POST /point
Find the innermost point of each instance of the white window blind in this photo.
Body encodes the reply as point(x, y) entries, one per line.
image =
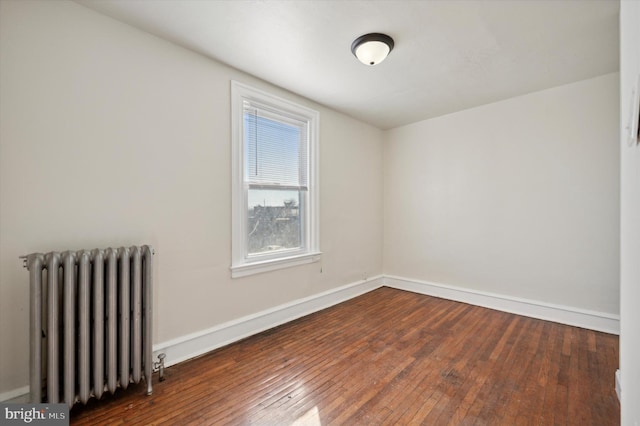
point(276, 149)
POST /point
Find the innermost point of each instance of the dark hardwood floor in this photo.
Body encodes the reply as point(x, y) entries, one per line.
point(387, 357)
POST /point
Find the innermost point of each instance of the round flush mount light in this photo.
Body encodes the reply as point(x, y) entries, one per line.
point(373, 48)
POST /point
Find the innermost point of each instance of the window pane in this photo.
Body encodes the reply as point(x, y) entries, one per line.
point(274, 220)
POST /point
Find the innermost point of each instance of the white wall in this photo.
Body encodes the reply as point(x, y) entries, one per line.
point(629, 221)
point(110, 136)
point(518, 198)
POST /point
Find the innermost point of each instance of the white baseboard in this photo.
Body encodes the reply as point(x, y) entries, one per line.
point(20, 395)
point(199, 343)
point(619, 385)
point(568, 315)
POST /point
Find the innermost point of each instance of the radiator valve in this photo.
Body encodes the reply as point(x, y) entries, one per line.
point(159, 365)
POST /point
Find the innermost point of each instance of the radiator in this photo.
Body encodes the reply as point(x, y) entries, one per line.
point(90, 326)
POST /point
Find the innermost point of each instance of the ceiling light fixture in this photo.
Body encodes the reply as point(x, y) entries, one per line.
point(373, 48)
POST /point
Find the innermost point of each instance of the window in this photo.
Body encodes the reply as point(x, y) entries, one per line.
point(275, 195)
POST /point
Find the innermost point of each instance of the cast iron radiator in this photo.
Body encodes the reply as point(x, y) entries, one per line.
point(90, 326)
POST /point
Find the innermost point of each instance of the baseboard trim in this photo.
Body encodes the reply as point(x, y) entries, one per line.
point(598, 321)
point(16, 395)
point(196, 344)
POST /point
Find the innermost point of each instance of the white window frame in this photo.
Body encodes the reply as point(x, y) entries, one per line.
point(241, 263)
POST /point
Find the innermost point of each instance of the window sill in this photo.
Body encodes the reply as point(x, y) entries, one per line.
point(247, 269)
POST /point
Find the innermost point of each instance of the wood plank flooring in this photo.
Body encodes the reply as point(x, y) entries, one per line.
point(388, 357)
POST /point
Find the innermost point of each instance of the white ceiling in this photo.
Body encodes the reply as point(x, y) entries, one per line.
point(449, 54)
